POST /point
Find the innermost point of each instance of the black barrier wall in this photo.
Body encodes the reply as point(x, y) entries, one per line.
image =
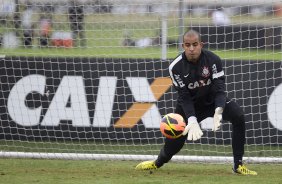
point(45, 80)
point(241, 37)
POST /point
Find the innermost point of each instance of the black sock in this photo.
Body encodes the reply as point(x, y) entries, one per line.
point(237, 162)
point(158, 163)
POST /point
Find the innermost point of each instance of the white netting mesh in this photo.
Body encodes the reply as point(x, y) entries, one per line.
point(91, 76)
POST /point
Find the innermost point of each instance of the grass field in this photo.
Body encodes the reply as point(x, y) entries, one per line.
point(29, 171)
point(153, 53)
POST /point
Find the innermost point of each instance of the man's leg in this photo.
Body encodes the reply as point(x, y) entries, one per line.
point(233, 113)
point(170, 148)
point(82, 40)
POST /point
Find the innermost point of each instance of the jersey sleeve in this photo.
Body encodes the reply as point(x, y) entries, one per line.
point(184, 97)
point(218, 83)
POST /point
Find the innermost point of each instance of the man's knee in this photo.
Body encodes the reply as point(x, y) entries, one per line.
point(238, 118)
point(234, 113)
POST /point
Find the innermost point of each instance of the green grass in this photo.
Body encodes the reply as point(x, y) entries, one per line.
point(153, 53)
point(29, 171)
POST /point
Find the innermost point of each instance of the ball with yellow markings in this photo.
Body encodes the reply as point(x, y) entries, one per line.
point(172, 125)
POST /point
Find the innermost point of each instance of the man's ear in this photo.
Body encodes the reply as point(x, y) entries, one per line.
point(202, 44)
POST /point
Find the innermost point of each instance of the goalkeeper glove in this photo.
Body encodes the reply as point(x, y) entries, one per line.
point(193, 129)
point(217, 118)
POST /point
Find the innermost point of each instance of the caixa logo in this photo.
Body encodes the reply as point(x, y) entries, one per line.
point(71, 89)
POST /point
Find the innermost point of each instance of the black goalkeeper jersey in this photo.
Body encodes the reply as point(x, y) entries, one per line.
point(200, 85)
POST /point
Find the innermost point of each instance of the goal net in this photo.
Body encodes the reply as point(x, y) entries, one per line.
point(89, 79)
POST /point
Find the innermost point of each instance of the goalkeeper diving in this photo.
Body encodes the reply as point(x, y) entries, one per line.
point(198, 77)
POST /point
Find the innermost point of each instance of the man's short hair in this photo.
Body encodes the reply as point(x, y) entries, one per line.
point(192, 33)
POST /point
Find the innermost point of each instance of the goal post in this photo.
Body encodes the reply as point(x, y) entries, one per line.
point(100, 93)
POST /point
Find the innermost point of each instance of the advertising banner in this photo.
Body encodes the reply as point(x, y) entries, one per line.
point(117, 99)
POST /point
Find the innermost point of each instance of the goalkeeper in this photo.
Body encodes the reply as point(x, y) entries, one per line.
point(198, 77)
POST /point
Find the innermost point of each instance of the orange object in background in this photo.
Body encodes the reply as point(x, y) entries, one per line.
point(68, 43)
point(62, 39)
point(278, 10)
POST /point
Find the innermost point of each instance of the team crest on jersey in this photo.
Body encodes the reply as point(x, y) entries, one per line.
point(205, 72)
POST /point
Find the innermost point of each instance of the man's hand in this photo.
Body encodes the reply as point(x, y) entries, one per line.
point(193, 129)
point(217, 118)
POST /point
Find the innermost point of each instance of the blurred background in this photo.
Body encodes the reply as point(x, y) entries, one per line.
point(135, 28)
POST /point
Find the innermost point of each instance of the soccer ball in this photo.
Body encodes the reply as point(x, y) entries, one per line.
point(172, 125)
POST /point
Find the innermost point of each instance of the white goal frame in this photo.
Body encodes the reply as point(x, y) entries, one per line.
point(173, 17)
point(176, 158)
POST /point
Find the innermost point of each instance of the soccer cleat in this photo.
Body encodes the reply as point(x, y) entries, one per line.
point(146, 165)
point(243, 170)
